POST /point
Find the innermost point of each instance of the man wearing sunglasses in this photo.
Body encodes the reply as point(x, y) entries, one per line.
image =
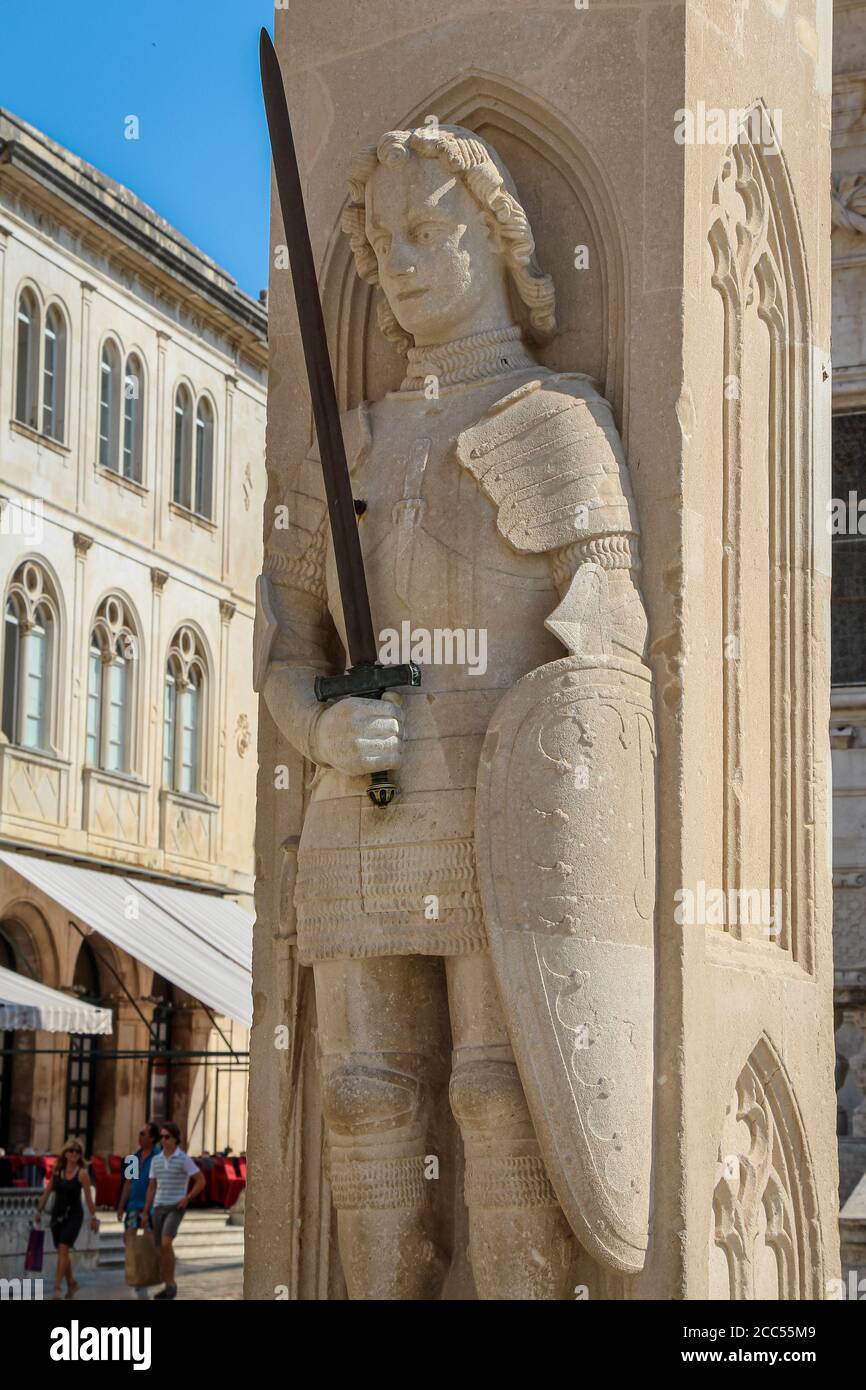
point(170, 1172)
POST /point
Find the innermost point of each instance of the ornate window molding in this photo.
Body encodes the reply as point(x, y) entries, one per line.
point(765, 1214)
point(41, 365)
point(194, 452)
point(186, 700)
point(122, 393)
point(113, 675)
point(29, 660)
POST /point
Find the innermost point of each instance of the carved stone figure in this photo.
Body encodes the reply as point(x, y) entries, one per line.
point(506, 897)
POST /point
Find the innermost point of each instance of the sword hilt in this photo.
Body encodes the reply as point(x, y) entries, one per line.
point(370, 680)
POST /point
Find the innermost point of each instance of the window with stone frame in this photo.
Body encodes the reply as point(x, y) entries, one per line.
point(848, 528)
point(112, 688)
point(193, 463)
point(40, 366)
point(185, 694)
point(29, 657)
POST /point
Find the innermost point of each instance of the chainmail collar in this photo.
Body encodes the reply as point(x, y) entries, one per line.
point(493, 353)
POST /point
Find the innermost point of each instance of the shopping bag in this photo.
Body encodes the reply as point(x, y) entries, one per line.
point(35, 1249)
point(141, 1264)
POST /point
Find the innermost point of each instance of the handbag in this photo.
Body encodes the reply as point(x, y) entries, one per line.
point(141, 1259)
point(35, 1251)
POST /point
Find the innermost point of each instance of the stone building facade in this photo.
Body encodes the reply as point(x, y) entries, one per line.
point(132, 412)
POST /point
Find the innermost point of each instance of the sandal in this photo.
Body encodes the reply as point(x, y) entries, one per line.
point(73, 1289)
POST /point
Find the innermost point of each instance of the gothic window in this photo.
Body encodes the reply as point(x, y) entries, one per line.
point(183, 715)
point(109, 406)
point(133, 419)
point(194, 432)
point(54, 373)
point(182, 492)
point(27, 366)
point(40, 366)
point(112, 689)
point(204, 458)
point(848, 530)
point(29, 650)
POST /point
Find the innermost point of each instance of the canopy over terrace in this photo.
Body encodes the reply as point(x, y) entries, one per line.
point(26, 1004)
point(200, 942)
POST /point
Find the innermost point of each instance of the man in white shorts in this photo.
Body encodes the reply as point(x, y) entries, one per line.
point(170, 1172)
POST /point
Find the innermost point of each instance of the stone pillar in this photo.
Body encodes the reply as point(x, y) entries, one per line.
point(673, 162)
point(130, 1075)
point(156, 705)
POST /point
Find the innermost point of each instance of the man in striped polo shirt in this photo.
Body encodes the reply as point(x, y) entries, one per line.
point(170, 1172)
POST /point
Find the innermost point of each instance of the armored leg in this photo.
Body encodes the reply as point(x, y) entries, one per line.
point(521, 1246)
point(380, 1025)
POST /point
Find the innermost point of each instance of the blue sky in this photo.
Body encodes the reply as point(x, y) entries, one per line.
point(189, 70)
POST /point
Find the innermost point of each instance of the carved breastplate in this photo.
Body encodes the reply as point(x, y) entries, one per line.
point(435, 561)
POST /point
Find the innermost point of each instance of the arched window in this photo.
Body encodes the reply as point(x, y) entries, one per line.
point(183, 722)
point(204, 458)
point(109, 407)
point(111, 688)
point(133, 418)
point(27, 365)
point(182, 491)
point(54, 374)
point(29, 646)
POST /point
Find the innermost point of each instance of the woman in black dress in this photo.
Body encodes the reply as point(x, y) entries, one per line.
point(68, 1180)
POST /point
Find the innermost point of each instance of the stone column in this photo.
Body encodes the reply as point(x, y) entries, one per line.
point(673, 162)
point(4, 237)
point(130, 1075)
point(162, 434)
point(226, 502)
point(153, 762)
point(79, 658)
point(87, 428)
point(217, 764)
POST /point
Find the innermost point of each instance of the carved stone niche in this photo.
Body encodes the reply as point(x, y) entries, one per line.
point(763, 1239)
point(552, 170)
point(763, 592)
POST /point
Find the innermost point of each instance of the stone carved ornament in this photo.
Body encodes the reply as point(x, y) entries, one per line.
point(487, 941)
point(849, 203)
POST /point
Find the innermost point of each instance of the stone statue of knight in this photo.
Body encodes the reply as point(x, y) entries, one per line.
point(505, 899)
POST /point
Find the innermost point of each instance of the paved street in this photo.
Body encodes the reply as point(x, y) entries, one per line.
point(194, 1282)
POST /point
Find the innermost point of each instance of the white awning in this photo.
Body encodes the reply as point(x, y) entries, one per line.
point(200, 942)
point(27, 1004)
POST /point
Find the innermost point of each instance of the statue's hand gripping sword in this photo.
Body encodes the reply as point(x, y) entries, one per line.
point(367, 676)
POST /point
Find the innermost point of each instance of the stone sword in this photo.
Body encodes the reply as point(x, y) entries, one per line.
point(367, 676)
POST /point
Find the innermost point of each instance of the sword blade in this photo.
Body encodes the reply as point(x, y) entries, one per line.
point(338, 488)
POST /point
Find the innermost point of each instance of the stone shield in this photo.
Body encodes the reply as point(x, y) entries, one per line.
point(565, 840)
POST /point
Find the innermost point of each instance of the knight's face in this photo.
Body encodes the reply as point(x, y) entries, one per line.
point(438, 266)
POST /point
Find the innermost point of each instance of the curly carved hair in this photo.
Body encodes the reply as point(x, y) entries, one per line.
point(485, 176)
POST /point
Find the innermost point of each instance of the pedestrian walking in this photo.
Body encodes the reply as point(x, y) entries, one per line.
point(168, 1198)
point(133, 1194)
point(69, 1180)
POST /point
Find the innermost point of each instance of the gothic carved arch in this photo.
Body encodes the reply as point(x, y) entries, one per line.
point(759, 267)
point(542, 153)
point(765, 1211)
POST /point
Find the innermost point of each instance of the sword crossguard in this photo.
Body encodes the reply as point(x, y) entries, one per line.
point(370, 680)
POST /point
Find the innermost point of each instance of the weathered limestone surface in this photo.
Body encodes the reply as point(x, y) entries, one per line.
point(641, 1083)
